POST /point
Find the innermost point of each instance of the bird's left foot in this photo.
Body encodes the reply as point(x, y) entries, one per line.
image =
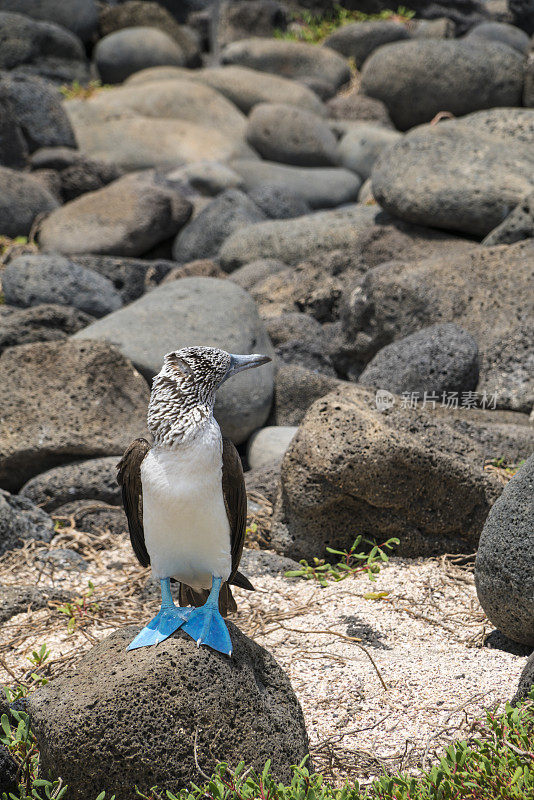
point(206, 626)
point(161, 627)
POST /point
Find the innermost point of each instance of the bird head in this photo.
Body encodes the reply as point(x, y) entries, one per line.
point(184, 390)
point(201, 370)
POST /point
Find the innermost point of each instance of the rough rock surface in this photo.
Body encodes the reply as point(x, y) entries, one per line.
point(449, 176)
point(503, 568)
point(66, 401)
point(95, 516)
point(289, 59)
point(198, 311)
point(409, 473)
point(503, 33)
point(278, 203)
point(418, 79)
point(291, 135)
point(130, 50)
point(296, 389)
point(190, 695)
point(22, 199)
point(124, 218)
point(441, 358)
point(8, 772)
point(518, 225)
point(43, 323)
point(95, 479)
point(32, 280)
point(485, 291)
point(20, 519)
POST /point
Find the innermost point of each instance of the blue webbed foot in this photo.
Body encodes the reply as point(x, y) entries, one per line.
point(169, 619)
point(206, 626)
point(161, 627)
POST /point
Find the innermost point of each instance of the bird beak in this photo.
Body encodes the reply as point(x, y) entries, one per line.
point(240, 363)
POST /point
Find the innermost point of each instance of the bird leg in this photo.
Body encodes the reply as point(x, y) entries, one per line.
point(169, 619)
point(205, 624)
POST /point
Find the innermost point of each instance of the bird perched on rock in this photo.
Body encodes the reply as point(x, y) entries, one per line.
point(185, 498)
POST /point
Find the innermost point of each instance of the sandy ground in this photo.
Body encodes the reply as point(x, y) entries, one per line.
point(422, 679)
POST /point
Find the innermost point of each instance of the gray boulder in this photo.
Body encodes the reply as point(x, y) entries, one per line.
point(293, 326)
point(95, 517)
point(358, 107)
point(96, 710)
point(20, 519)
point(449, 176)
point(210, 178)
point(203, 236)
point(22, 199)
point(438, 359)
point(420, 78)
point(291, 241)
point(507, 124)
point(78, 16)
point(289, 59)
point(359, 477)
point(359, 39)
point(198, 311)
point(13, 145)
point(9, 770)
point(143, 13)
point(310, 355)
point(66, 401)
point(41, 48)
point(278, 203)
point(95, 479)
point(518, 225)
point(243, 18)
point(244, 87)
point(503, 33)
point(320, 187)
point(485, 291)
point(291, 135)
point(130, 50)
point(16, 599)
point(296, 389)
point(43, 323)
point(33, 279)
point(37, 111)
point(127, 217)
point(503, 569)
point(75, 173)
point(528, 92)
point(361, 146)
point(268, 445)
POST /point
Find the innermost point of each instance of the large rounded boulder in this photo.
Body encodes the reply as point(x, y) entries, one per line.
point(149, 716)
point(419, 78)
point(504, 575)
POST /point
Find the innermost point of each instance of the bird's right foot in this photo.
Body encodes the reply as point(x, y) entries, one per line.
point(169, 619)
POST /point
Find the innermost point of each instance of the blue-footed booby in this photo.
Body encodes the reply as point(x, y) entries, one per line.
point(185, 498)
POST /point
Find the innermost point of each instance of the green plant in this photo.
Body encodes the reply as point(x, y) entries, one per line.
point(501, 463)
point(78, 610)
point(75, 90)
point(314, 29)
point(351, 563)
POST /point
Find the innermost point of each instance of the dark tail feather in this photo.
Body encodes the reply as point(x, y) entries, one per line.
point(242, 581)
point(189, 597)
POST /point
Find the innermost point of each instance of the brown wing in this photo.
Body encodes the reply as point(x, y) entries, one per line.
point(129, 479)
point(235, 501)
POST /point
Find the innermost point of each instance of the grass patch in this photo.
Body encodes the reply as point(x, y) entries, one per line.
point(307, 27)
point(78, 91)
point(495, 763)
